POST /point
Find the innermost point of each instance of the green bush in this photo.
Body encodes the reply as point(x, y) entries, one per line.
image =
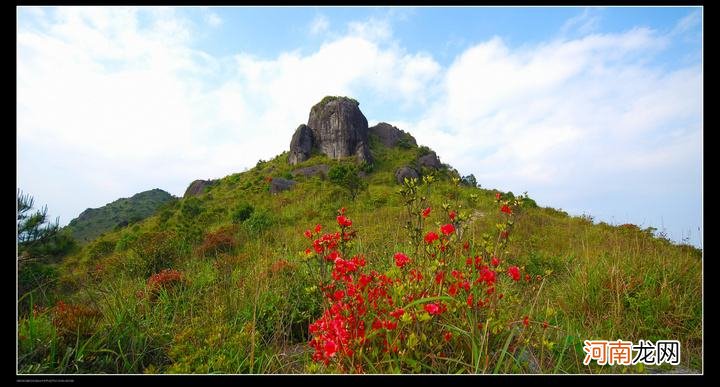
point(242, 212)
point(259, 221)
point(346, 176)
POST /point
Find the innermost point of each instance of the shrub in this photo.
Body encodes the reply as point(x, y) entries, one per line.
point(259, 221)
point(444, 297)
point(220, 241)
point(242, 212)
point(346, 176)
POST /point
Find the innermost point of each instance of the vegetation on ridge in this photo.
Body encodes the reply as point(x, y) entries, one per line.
point(231, 282)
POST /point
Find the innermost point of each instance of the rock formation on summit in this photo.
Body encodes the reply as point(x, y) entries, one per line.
point(391, 136)
point(197, 187)
point(337, 129)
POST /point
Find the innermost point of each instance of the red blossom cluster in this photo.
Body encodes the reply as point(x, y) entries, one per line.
point(369, 310)
point(165, 278)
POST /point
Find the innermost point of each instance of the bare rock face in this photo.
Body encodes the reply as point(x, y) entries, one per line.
point(430, 160)
point(279, 184)
point(339, 129)
point(301, 145)
point(406, 172)
point(391, 136)
point(321, 169)
point(197, 187)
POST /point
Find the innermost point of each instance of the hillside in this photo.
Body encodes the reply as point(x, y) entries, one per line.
point(319, 261)
point(95, 221)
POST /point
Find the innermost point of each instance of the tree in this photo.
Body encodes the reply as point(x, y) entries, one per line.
point(347, 177)
point(469, 180)
point(37, 238)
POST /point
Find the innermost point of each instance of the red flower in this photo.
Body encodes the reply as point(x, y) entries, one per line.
point(439, 277)
point(527, 277)
point(426, 212)
point(504, 234)
point(470, 300)
point(339, 294)
point(308, 234)
point(447, 229)
point(506, 209)
point(452, 215)
point(318, 228)
point(514, 272)
point(342, 211)
point(497, 196)
point(452, 290)
point(447, 336)
point(526, 320)
point(401, 259)
point(494, 261)
point(431, 237)
point(466, 245)
point(432, 308)
point(500, 296)
point(343, 221)
point(330, 348)
point(397, 313)
point(308, 251)
point(545, 324)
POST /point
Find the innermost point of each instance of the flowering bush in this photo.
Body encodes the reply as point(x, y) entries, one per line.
point(72, 320)
point(443, 298)
point(166, 279)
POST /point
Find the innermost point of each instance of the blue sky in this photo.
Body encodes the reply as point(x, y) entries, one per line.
point(593, 110)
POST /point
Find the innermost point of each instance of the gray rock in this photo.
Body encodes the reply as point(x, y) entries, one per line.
point(197, 187)
point(339, 128)
point(320, 169)
point(430, 160)
point(406, 172)
point(278, 184)
point(390, 135)
point(301, 145)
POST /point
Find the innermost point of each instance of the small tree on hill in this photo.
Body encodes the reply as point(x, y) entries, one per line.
point(347, 177)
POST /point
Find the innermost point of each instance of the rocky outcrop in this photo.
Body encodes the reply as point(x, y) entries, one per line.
point(391, 136)
point(279, 184)
point(406, 172)
point(337, 129)
point(301, 145)
point(321, 169)
point(430, 160)
point(197, 187)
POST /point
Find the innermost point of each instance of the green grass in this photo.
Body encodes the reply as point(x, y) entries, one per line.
point(247, 309)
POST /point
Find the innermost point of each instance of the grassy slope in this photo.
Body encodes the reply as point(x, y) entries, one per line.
point(247, 309)
point(96, 221)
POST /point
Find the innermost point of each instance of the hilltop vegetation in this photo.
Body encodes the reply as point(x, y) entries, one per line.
point(335, 275)
point(95, 221)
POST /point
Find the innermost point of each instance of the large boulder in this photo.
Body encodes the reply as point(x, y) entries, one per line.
point(278, 184)
point(301, 145)
point(197, 187)
point(430, 160)
point(320, 169)
point(390, 135)
point(339, 128)
point(406, 172)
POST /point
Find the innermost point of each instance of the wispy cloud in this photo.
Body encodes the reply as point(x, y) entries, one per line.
point(319, 25)
point(585, 23)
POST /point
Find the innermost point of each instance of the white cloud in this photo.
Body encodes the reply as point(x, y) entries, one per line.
point(691, 20)
point(585, 23)
point(101, 87)
point(569, 116)
point(213, 19)
point(109, 106)
point(319, 25)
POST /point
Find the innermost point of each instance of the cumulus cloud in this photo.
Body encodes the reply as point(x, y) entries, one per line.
point(585, 114)
point(99, 85)
point(112, 101)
